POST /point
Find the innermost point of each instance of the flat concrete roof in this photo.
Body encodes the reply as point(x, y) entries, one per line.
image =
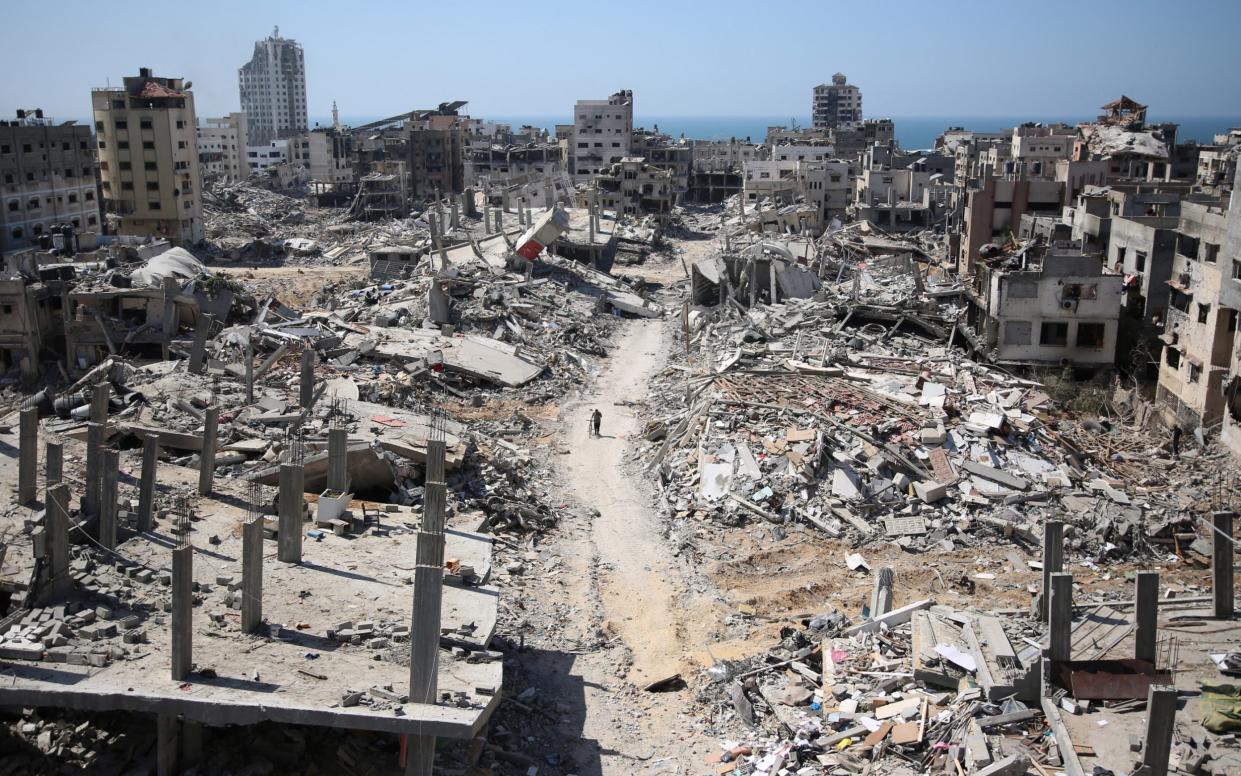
point(260, 677)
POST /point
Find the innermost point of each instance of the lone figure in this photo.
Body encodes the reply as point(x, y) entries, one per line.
point(1176, 441)
point(596, 417)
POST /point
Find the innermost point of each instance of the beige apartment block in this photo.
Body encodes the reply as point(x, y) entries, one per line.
point(148, 157)
point(222, 146)
point(47, 179)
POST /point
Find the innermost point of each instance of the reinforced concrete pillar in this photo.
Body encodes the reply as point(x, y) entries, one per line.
point(306, 394)
point(1053, 562)
point(94, 454)
point(28, 455)
point(107, 498)
point(206, 460)
point(252, 574)
point(1146, 610)
point(101, 394)
point(456, 216)
point(54, 467)
point(500, 220)
point(171, 289)
point(1160, 724)
point(881, 596)
point(292, 498)
point(249, 371)
point(146, 485)
point(167, 745)
point(338, 460)
point(1061, 616)
point(487, 219)
point(182, 609)
point(1222, 549)
point(198, 350)
point(57, 501)
point(428, 600)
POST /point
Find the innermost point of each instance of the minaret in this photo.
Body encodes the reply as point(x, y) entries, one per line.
point(335, 117)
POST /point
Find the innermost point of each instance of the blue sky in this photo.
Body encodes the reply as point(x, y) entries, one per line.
point(967, 58)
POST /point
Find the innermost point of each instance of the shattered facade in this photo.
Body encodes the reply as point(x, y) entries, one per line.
point(148, 157)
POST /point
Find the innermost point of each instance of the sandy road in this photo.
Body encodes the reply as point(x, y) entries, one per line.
point(639, 597)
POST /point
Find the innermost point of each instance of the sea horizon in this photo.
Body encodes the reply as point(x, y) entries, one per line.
point(912, 132)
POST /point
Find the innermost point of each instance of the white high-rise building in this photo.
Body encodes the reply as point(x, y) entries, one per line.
point(837, 105)
point(602, 134)
point(273, 90)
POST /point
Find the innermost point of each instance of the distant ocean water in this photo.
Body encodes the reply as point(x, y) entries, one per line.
point(912, 132)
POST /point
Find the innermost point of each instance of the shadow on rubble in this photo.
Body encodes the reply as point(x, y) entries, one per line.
point(164, 540)
point(541, 721)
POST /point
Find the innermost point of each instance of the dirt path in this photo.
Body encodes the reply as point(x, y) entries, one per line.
point(639, 598)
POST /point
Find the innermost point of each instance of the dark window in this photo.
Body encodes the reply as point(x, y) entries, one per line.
point(123, 145)
point(153, 205)
point(1210, 251)
point(90, 196)
point(125, 165)
point(1090, 335)
point(1173, 357)
point(122, 124)
point(1236, 269)
point(1204, 312)
point(17, 233)
point(148, 144)
point(98, 126)
point(145, 124)
point(149, 165)
point(13, 206)
point(25, 148)
point(1139, 260)
point(152, 185)
point(103, 144)
point(1195, 372)
point(1054, 335)
point(127, 185)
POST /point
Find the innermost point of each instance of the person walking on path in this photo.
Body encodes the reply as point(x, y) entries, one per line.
point(596, 417)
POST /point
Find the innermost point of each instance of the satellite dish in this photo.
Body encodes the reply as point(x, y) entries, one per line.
point(189, 84)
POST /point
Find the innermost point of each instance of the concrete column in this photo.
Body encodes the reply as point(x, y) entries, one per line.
point(28, 455)
point(171, 289)
point(307, 387)
point(198, 350)
point(1160, 724)
point(182, 610)
point(1053, 562)
point(419, 755)
point(456, 216)
point(499, 220)
point(107, 498)
point(292, 498)
point(881, 596)
point(54, 452)
point(428, 600)
point(1061, 616)
point(1146, 611)
point(206, 460)
point(146, 486)
point(1222, 550)
point(252, 574)
point(94, 452)
point(167, 745)
point(57, 501)
point(338, 460)
point(101, 395)
point(504, 203)
point(249, 371)
point(486, 219)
